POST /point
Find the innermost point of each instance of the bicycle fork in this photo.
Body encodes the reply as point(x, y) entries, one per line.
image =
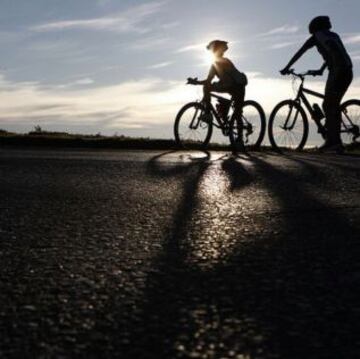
point(286, 127)
point(195, 121)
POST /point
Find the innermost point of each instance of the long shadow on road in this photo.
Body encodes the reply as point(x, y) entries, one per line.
point(317, 301)
point(289, 293)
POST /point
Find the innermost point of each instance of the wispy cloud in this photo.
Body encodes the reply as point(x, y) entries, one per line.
point(355, 55)
point(68, 107)
point(86, 81)
point(352, 39)
point(145, 103)
point(282, 45)
point(160, 65)
point(282, 30)
point(126, 21)
point(192, 47)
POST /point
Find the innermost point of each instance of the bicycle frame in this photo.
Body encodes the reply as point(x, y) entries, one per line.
point(221, 123)
point(301, 98)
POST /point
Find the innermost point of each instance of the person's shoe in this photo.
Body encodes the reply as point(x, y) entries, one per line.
point(327, 147)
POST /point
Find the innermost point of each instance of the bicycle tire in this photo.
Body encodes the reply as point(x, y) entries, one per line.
point(262, 128)
point(345, 110)
point(183, 142)
point(274, 117)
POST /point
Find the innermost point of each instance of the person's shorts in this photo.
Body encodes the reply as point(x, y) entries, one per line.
point(235, 91)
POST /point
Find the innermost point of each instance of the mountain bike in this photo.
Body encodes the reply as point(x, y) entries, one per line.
point(193, 126)
point(289, 125)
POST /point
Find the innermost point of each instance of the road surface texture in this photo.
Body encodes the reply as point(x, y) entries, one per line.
point(179, 255)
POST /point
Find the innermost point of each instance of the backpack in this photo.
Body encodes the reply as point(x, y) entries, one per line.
point(240, 78)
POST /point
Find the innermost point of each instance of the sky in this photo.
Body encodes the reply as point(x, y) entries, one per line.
point(120, 66)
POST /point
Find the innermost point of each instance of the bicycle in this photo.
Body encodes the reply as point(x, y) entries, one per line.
point(193, 126)
point(289, 124)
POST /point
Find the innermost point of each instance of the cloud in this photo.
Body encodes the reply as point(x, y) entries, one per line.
point(192, 47)
point(135, 104)
point(160, 65)
point(282, 30)
point(142, 105)
point(129, 20)
point(84, 81)
point(355, 55)
point(282, 45)
point(352, 39)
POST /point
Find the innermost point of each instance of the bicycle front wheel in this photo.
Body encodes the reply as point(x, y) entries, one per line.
point(288, 126)
point(350, 121)
point(191, 128)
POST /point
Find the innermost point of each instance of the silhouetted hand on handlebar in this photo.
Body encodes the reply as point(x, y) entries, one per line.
point(192, 81)
point(286, 71)
point(315, 72)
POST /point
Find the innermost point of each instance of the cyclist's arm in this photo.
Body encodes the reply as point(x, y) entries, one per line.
point(323, 68)
point(210, 77)
point(319, 72)
point(307, 45)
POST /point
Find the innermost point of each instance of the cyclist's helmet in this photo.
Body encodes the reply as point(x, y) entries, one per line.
point(215, 44)
point(319, 23)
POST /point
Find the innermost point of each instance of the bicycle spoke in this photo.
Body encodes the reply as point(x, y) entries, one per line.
point(252, 123)
point(189, 128)
point(350, 124)
point(287, 126)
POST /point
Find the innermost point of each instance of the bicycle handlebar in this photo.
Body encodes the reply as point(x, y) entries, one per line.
point(302, 75)
point(193, 81)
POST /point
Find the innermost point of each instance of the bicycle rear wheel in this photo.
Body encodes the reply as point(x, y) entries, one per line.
point(288, 126)
point(190, 130)
point(253, 126)
point(236, 134)
point(350, 122)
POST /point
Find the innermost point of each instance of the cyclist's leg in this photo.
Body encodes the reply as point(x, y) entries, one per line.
point(214, 87)
point(238, 95)
point(336, 87)
point(219, 87)
point(207, 98)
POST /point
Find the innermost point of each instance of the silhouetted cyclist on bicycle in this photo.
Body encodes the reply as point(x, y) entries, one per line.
point(231, 80)
point(338, 61)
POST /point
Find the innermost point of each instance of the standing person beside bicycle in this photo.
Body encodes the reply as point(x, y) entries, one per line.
point(339, 64)
point(231, 80)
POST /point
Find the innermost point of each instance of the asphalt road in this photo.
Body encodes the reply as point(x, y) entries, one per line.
point(179, 255)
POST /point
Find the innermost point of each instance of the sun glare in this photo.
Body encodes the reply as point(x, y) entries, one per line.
point(208, 58)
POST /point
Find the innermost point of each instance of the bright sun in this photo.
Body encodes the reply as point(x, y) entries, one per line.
point(209, 58)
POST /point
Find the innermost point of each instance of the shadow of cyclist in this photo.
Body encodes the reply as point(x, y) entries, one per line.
point(284, 295)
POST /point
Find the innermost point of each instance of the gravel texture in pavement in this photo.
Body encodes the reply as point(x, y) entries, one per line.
point(179, 255)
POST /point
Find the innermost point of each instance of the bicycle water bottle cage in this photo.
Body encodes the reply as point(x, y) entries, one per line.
point(317, 113)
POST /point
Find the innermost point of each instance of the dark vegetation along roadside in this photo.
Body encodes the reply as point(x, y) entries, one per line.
point(41, 138)
point(66, 140)
point(48, 139)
